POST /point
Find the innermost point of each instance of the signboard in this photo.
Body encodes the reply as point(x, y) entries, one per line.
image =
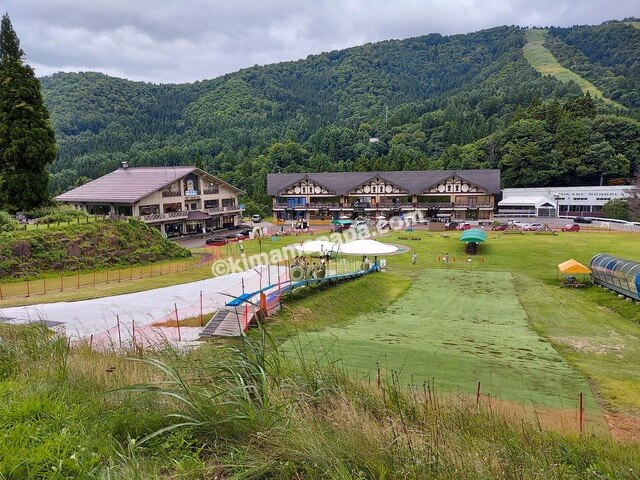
point(191, 193)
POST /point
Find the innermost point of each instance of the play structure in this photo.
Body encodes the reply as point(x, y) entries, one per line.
point(618, 274)
point(241, 311)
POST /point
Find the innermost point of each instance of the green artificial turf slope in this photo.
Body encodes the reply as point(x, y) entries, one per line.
point(458, 328)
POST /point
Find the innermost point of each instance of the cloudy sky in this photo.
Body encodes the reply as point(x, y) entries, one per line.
point(181, 41)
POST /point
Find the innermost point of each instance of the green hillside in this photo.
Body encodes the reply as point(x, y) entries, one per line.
point(544, 62)
point(607, 55)
point(432, 101)
point(83, 246)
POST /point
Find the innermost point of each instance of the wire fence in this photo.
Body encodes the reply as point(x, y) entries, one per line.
point(66, 282)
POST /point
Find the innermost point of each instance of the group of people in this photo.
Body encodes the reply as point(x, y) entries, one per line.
point(312, 270)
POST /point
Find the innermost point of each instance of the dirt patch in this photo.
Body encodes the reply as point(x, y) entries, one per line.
point(547, 418)
point(623, 427)
point(583, 345)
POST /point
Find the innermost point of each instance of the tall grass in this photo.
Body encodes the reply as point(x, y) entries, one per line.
point(244, 410)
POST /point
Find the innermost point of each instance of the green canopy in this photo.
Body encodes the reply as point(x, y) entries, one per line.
point(341, 222)
point(473, 235)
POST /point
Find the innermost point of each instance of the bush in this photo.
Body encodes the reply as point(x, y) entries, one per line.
point(55, 215)
point(617, 209)
point(7, 222)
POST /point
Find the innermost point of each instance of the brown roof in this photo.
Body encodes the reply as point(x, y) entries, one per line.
point(413, 182)
point(197, 215)
point(128, 185)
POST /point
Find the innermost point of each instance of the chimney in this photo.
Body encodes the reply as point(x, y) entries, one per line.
point(125, 165)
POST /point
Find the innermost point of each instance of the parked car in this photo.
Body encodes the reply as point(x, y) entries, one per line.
point(234, 237)
point(246, 232)
point(217, 241)
point(583, 220)
point(500, 228)
point(571, 227)
point(450, 225)
point(464, 226)
point(256, 218)
point(534, 227)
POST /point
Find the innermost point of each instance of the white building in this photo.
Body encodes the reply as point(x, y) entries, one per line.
point(551, 201)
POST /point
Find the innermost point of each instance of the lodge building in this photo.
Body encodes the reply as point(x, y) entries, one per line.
point(437, 194)
point(176, 200)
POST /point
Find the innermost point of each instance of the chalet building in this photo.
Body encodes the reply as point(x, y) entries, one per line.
point(176, 200)
point(442, 194)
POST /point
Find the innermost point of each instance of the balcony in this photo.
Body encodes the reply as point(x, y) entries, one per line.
point(225, 209)
point(433, 205)
point(473, 205)
point(168, 193)
point(161, 217)
point(211, 191)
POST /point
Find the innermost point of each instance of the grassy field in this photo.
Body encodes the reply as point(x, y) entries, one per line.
point(544, 62)
point(249, 412)
point(592, 329)
point(246, 413)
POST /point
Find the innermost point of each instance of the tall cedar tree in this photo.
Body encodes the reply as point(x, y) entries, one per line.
point(27, 140)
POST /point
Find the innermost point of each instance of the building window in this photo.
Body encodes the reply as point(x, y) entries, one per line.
point(172, 207)
point(149, 209)
point(211, 203)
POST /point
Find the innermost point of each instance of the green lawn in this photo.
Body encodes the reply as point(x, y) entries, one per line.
point(593, 330)
point(540, 58)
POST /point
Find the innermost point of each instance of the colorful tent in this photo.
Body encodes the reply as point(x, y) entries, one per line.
point(573, 267)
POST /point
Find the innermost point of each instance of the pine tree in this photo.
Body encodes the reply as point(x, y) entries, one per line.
point(27, 140)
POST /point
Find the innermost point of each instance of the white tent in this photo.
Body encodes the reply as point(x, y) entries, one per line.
point(316, 246)
point(367, 247)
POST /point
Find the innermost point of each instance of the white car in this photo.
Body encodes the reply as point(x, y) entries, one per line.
point(534, 227)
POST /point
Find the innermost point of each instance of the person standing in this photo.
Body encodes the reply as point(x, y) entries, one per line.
point(414, 258)
point(241, 246)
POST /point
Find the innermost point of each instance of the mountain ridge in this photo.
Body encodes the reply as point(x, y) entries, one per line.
point(423, 97)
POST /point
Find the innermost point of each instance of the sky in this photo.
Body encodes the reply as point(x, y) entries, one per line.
point(164, 41)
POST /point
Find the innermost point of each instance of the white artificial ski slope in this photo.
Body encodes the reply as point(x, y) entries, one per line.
point(98, 316)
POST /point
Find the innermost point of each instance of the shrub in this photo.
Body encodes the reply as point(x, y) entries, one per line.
point(7, 222)
point(55, 215)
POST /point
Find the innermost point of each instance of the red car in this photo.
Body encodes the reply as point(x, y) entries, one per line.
point(464, 226)
point(500, 228)
point(571, 227)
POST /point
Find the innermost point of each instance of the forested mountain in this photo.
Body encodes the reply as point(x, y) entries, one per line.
point(460, 101)
point(607, 55)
